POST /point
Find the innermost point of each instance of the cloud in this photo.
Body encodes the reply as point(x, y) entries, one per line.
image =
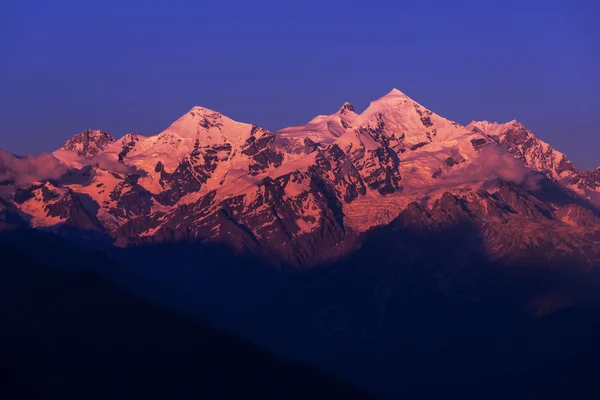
point(495, 163)
point(22, 171)
point(28, 169)
point(109, 163)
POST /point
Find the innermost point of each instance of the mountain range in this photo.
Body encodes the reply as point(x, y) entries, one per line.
point(304, 195)
point(406, 253)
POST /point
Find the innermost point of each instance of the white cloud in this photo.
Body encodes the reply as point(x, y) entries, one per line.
point(494, 162)
point(28, 169)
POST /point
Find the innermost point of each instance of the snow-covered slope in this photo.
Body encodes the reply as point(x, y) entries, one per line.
point(538, 155)
point(304, 193)
point(420, 137)
point(323, 129)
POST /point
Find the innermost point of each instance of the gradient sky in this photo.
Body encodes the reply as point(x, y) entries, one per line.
point(136, 66)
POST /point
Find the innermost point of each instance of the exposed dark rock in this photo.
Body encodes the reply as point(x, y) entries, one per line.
point(212, 120)
point(73, 213)
point(89, 143)
point(262, 152)
point(131, 199)
point(478, 143)
point(453, 160)
point(425, 116)
point(182, 181)
point(345, 179)
point(310, 145)
point(418, 145)
point(129, 142)
point(346, 107)
point(23, 194)
point(378, 168)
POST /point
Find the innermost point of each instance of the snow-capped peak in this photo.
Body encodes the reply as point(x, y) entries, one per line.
point(392, 97)
point(346, 107)
point(401, 116)
point(207, 176)
point(491, 127)
point(395, 93)
point(89, 143)
point(394, 100)
point(209, 128)
point(323, 129)
point(202, 109)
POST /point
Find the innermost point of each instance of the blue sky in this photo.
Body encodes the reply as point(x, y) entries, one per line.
point(136, 66)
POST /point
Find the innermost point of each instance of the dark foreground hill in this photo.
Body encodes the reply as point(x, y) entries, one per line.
point(68, 334)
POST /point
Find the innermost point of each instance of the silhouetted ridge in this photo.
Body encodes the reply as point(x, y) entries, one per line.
point(75, 335)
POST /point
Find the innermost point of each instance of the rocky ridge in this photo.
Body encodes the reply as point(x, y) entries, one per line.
point(305, 194)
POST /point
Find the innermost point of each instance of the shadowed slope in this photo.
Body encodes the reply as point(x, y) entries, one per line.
point(73, 334)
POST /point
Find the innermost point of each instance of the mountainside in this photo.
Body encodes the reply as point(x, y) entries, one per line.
point(304, 195)
point(74, 335)
point(538, 155)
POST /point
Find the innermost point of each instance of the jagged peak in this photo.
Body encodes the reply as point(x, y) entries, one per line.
point(492, 127)
point(133, 136)
point(398, 106)
point(89, 143)
point(494, 123)
point(346, 107)
point(92, 133)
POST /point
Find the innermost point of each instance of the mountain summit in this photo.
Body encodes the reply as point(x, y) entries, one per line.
point(346, 107)
point(395, 93)
point(89, 142)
